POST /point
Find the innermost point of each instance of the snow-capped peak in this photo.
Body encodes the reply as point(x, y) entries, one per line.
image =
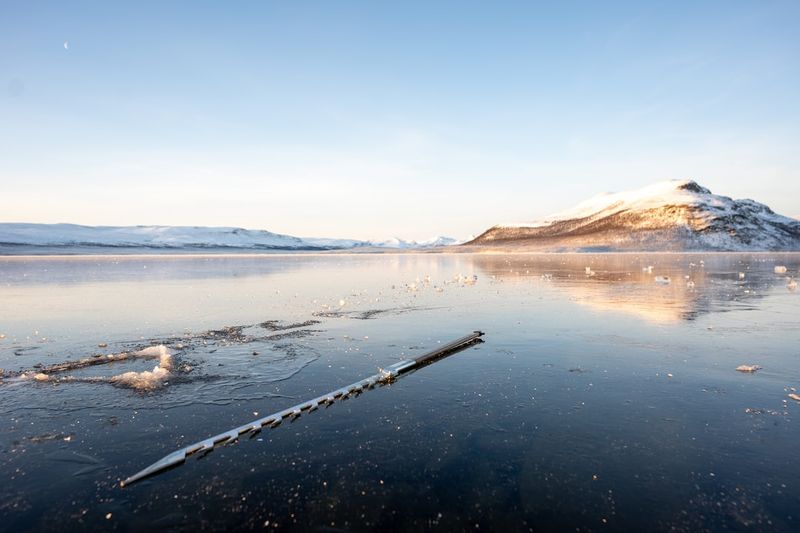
point(396, 242)
point(668, 215)
point(684, 192)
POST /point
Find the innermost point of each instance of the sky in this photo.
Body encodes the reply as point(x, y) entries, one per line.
point(377, 119)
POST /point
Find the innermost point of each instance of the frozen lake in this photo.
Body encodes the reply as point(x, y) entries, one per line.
point(601, 398)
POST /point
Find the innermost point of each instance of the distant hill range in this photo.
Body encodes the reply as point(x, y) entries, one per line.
point(678, 215)
point(72, 238)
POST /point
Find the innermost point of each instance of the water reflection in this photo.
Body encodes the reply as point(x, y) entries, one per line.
point(661, 288)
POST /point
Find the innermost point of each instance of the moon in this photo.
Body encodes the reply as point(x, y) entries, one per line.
point(66, 45)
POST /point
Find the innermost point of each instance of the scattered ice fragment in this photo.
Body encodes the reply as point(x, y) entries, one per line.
point(748, 368)
point(147, 380)
point(341, 303)
point(663, 280)
point(648, 269)
point(780, 269)
point(741, 275)
point(791, 285)
point(103, 345)
point(690, 284)
point(41, 377)
point(2, 336)
point(108, 516)
point(794, 396)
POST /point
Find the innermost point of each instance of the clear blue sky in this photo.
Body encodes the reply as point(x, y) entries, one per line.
point(372, 119)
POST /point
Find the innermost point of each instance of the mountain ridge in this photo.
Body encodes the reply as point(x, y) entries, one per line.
point(675, 215)
point(166, 238)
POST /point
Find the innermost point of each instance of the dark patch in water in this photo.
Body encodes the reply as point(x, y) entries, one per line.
point(233, 334)
point(279, 325)
point(369, 314)
point(299, 334)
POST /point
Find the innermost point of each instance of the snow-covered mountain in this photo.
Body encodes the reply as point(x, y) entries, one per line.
point(72, 236)
point(670, 216)
point(398, 243)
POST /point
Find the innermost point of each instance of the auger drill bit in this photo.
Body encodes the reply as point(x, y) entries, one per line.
point(383, 377)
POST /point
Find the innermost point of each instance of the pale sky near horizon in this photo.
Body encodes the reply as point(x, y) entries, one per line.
point(377, 119)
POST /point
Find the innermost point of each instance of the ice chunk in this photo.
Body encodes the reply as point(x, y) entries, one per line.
point(690, 284)
point(780, 269)
point(663, 280)
point(741, 275)
point(147, 380)
point(748, 368)
point(162, 352)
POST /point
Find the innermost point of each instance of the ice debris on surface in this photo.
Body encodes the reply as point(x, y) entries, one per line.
point(780, 269)
point(748, 368)
point(791, 284)
point(663, 280)
point(148, 379)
